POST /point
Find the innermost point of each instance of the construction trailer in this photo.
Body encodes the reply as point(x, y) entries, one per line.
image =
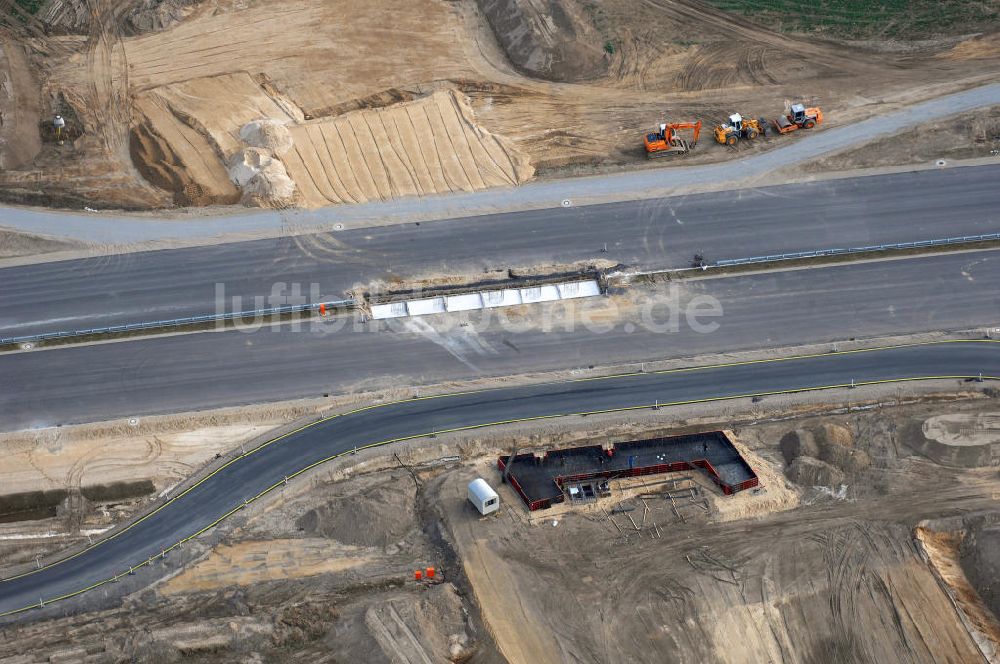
point(483, 497)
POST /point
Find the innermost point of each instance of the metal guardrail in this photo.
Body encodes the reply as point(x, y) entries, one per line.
point(963, 239)
point(298, 308)
point(178, 322)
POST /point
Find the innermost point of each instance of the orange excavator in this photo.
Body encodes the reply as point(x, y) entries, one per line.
point(666, 141)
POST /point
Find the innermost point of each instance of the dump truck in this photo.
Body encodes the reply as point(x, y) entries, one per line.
point(666, 140)
point(800, 117)
point(739, 128)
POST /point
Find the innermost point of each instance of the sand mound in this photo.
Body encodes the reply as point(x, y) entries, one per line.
point(551, 39)
point(835, 434)
point(830, 443)
point(848, 460)
point(807, 471)
point(156, 15)
point(798, 443)
point(262, 177)
point(271, 187)
point(246, 164)
point(267, 133)
point(377, 515)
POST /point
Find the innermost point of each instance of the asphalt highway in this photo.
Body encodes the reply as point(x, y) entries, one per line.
point(198, 371)
point(263, 469)
point(158, 285)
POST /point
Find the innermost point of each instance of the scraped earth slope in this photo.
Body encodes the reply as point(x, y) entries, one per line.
point(566, 83)
point(432, 145)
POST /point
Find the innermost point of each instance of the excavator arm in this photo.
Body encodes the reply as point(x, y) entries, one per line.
point(696, 126)
point(666, 141)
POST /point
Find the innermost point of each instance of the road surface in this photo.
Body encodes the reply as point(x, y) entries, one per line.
point(199, 371)
point(263, 470)
point(159, 285)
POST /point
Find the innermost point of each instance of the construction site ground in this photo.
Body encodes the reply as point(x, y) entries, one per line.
point(312, 103)
point(873, 567)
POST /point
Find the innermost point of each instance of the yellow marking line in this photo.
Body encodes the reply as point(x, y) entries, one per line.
point(481, 426)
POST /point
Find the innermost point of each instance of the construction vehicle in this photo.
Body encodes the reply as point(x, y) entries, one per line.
point(800, 117)
point(738, 128)
point(666, 140)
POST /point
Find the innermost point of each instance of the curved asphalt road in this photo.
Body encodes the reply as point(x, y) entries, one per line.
point(263, 469)
point(661, 233)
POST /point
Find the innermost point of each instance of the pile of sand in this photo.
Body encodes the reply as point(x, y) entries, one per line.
point(156, 15)
point(267, 133)
point(247, 163)
point(808, 471)
point(773, 495)
point(372, 515)
point(262, 177)
point(822, 456)
point(797, 443)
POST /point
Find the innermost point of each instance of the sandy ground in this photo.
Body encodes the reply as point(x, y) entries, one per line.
point(14, 244)
point(155, 449)
point(942, 551)
point(246, 563)
point(973, 135)
point(323, 569)
point(818, 583)
point(19, 109)
point(533, 87)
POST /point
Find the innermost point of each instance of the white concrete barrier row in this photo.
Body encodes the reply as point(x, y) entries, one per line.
point(489, 299)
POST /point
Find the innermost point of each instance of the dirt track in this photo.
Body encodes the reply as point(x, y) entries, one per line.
point(173, 101)
point(838, 577)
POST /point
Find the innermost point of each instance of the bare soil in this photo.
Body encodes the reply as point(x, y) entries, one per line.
point(324, 569)
point(959, 559)
point(447, 96)
point(838, 578)
point(13, 244)
point(974, 135)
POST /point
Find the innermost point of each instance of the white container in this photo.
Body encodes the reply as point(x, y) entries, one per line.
point(482, 495)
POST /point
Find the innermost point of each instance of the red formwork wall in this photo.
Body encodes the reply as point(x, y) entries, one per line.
point(656, 469)
point(532, 504)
